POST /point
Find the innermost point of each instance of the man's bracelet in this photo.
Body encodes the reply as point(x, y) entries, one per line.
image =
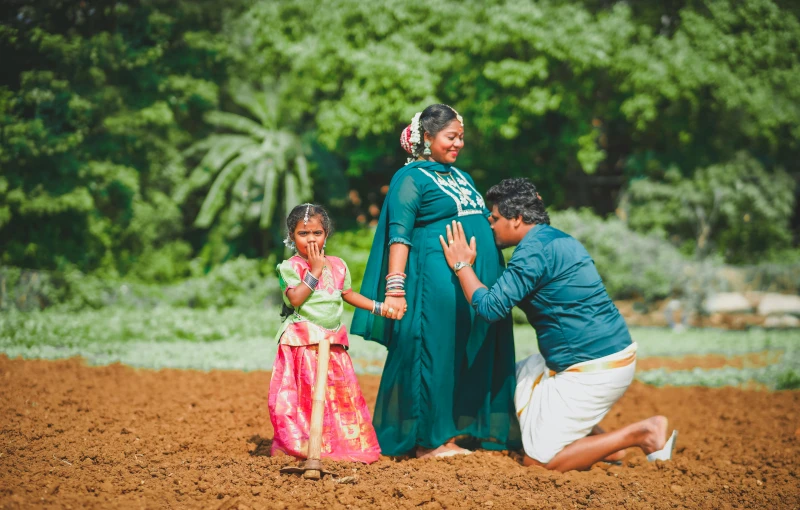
point(311, 281)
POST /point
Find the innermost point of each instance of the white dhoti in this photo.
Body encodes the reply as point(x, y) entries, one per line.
point(555, 410)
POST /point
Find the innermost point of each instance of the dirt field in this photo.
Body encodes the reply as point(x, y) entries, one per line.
point(73, 436)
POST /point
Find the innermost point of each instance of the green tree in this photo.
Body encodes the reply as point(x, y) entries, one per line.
point(255, 168)
point(582, 99)
point(96, 100)
point(736, 209)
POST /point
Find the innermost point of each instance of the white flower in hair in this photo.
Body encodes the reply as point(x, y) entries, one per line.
point(415, 129)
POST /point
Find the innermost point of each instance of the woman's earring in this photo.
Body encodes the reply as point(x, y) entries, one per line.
point(427, 151)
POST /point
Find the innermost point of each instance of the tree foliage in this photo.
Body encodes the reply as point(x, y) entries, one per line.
point(96, 102)
point(254, 169)
point(593, 99)
point(736, 209)
point(570, 96)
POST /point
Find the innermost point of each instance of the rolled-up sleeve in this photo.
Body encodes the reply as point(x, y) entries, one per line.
point(524, 270)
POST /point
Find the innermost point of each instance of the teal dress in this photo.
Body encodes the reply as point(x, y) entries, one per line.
point(449, 373)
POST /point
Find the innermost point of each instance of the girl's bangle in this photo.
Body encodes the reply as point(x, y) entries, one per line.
point(311, 281)
point(377, 308)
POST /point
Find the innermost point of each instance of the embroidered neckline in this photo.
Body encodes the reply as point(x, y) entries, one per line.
point(452, 187)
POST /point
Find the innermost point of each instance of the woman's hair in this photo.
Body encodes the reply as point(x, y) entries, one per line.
point(434, 118)
point(298, 214)
point(518, 197)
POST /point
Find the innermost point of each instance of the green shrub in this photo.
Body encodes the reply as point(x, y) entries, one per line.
point(788, 380)
point(240, 282)
point(27, 290)
point(632, 265)
point(166, 264)
point(773, 277)
point(738, 209)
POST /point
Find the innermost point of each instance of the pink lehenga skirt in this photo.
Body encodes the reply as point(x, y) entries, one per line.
point(347, 433)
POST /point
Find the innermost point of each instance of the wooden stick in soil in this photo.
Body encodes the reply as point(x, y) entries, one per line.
point(313, 465)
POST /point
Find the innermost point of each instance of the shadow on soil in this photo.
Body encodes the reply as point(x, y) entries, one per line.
point(262, 448)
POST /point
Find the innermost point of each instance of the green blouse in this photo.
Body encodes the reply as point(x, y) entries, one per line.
point(324, 306)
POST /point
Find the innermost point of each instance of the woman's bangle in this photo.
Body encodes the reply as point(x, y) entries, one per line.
point(311, 281)
point(395, 284)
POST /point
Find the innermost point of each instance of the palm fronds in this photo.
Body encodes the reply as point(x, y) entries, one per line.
point(252, 167)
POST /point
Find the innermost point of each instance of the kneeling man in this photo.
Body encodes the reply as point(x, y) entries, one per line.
point(587, 358)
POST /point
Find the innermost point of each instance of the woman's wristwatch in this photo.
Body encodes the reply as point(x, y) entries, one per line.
point(460, 265)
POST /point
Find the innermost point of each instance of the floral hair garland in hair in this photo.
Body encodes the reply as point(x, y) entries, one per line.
point(409, 137)
point(415, 138)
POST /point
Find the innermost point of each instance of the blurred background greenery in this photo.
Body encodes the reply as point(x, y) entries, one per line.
point(149, 150)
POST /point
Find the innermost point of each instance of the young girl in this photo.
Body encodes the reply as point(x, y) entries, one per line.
point(314, 286)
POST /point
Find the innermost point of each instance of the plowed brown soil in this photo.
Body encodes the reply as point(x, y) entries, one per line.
point(73, 436)
point(709, 361)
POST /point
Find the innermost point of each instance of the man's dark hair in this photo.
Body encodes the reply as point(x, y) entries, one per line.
point(518, 197)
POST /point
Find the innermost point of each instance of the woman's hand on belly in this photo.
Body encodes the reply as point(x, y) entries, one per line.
point(395, 307)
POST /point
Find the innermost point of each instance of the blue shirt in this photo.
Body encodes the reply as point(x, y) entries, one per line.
point(552, 278)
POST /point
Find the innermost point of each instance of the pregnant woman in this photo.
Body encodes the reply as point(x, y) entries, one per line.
point(449, 374)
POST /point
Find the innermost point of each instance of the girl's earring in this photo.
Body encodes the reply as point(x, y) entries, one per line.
point(427, 151)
